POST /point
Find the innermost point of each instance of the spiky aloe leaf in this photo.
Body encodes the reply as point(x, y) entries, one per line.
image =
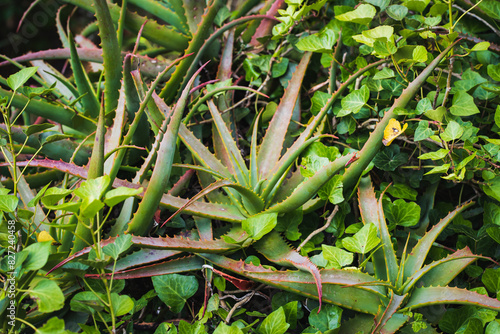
point(387, 312)
point(202, 32)
point(372, 212)
point(316, 120)
point(164, 13)
point(110, 53)
point(446, 295)
point(181, 265)
point(206, 45)
point(368, 208)
point(201, 152)
point(272, 144)
point(160, 34)
point(441, 272)
point(276, 250)
point(163, 166)
point(89, 100)
point(374, 142)
point(142, 257)
point(418, 254)
point(363, 299)
point(237, 162)
point(307, 189)
point(50, 111)
point(95, 169)
point(180, 244)
point(223, 212)
point(148, 66)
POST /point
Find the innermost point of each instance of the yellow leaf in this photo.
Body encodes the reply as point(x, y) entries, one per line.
point(392, 130)
point(44, 236)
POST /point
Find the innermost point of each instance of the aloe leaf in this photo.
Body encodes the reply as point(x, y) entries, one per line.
point(275, 249)
point(110, 53)
point(265, 26)
point(95, 170)
point(50, 75)
point(374, 143)
point(446, 295)
point(254, 202)
point(179, 244)
point(89, 100)
point(114, 136)
point(359, 299)
point(418, 254)
point(181, 265)
point(162, 12)
point(150, 67)
point(225, 212)
point(161, 173)
point(153, 31)
point(202, 32)
point(142, 257)
point(201, 152)
point(238, 164)
point(193, 12)
point(174, 84)
point(272, 144)
point(369, 209)
point(316, 120)
point(307, 189)
point(394, 305)
point(50, 111)
point(443, 271)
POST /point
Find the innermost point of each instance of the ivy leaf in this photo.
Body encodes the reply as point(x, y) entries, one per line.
point(48, 296)
point(332, 190)
point(87, 302)
point(382, 4)
point(120, 245)
point(491, 280)
point(481, 46)
point(363, 14)
point(453, 131)
point(385, 48)
point(354, 101)
point(403, 213)
point(327, 319)
point(423, 105)
point(174, 289)
point(53, 326)
point(122, 304)
point(117, 195)
point(225, 329)
point(274, 323)
point(260, 224)
point(439, 169)
point(18, 79)
point(417, 5)
point(401, 190)
point(438, 155)
point(381, 33)
point(385, 73)
point(463, 105)
point(422, 132)
point(337, 257)
point(8, 203)
point(397, 12)
point(321, 42)
point(37, 255)
point(420, 54)
point(318, 101)
point(363, 241)
point(494, 71)
point(390, 158)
